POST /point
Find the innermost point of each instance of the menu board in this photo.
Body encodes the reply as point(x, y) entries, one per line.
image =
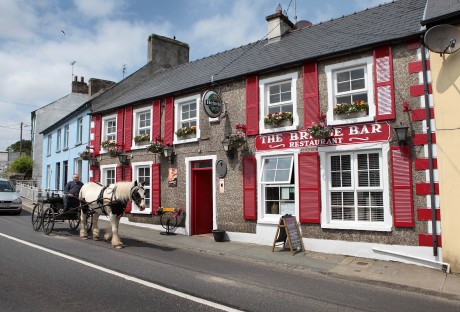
point(288, 231)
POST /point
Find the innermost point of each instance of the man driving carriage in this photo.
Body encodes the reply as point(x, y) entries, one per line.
point(71, 191)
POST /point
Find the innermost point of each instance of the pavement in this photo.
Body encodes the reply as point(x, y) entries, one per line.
point(377, 272)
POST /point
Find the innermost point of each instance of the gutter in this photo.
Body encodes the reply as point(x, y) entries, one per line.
point(430, 149)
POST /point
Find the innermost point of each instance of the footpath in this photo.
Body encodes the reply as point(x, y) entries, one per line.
point(378, 272)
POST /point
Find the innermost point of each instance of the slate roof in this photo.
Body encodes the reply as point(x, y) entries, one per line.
point(439, 10)
point(389, 22)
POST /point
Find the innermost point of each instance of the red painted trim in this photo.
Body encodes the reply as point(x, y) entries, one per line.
point(156, 120)
point(97, 134)
point(424, 188)
point(128, 128)
point(155, 202)
point(427, 240)
point(120, 128)
point(168, 134)
point(252, 105)
point(423, 164)
point(422, 139)
point(310, 93)
point(419, 90)
point(403, 202)
point(424, 214)
point(413, 44)
point(419, 114)
point(416, 67)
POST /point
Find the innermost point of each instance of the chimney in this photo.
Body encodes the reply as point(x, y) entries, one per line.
point(79, 86)
point(165, 52)
point(97, 85)
point(278, 24)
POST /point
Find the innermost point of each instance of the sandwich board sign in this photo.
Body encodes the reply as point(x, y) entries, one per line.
point(288, 231)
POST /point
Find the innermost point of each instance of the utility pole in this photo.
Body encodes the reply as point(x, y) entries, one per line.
point(20, 141)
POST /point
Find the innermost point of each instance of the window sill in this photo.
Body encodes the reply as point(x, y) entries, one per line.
point(270, 219)
point(278, 129)
point(357, 226)
point(186, 141)
point(77, 144)
point(350, 120)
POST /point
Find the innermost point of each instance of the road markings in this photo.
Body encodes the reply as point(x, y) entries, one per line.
point(126, 277)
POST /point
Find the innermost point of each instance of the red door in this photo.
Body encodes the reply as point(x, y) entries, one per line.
point(201, 200)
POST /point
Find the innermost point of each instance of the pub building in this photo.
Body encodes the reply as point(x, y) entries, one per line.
point(301, 123)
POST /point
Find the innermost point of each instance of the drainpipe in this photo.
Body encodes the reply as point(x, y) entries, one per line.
point(430, 150)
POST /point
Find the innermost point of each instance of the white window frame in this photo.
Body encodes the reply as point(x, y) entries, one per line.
point(79, 131)
point(147, 188)
point(178, 117)
point(104, 133)
point(136, 114)
point(48, 176)
point(58, 140)
point(66, 137)
point(331, 71)
point(50, 143)
point(78, 168)
point(326, 221)
point(104, 169)
point(264, 98)
point(263, 217)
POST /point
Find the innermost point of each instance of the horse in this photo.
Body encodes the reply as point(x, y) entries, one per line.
point(111, 201)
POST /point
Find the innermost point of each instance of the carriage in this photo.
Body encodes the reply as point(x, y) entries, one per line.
point(49, 210)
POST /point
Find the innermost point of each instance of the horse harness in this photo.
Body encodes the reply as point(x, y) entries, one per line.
point(118, 205)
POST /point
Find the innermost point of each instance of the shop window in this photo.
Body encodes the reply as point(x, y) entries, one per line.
point(186, 127)
point(350, 92)
point(278, 186)
point(356, 190)
point(277, 96)
point(143, 173)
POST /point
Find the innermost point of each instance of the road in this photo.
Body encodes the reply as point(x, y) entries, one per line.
point(61, 272)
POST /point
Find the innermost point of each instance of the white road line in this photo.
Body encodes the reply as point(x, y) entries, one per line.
point(127, 277)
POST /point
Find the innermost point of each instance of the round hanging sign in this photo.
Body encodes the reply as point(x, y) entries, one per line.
point(212, 104)
point(221, 168)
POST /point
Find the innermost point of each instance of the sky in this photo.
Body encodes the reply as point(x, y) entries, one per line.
point(40, 39)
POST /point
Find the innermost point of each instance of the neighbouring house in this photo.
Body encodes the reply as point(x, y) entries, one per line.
point(442, 20)
point(67, 138)
point(301, 123)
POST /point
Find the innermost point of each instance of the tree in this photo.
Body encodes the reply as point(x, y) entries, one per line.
point(22, 165)
point(26, 147)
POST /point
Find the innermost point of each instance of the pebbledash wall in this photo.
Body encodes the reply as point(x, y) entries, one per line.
point(358, 192)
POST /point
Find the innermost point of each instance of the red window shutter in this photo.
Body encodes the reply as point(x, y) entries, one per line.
point(128, 128)
point(128, 177)
point(309, 188)
point(156, 120)
point(169, 121)
point(120, 125)
point(252, 105)
point(127, 173)
point(96, 174)
point(249, 188)
point(383, 84)
point(119, 174)
point(403, 204)
point(310, 93)
point(155, 201)
point(97, 134)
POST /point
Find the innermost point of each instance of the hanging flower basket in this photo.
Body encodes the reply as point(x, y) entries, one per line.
point(113, 152)
point(319, 129)
point(85, 155)
point(155, 147)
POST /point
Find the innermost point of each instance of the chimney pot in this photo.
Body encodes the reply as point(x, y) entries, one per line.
point(82, 79)
point(75, 78)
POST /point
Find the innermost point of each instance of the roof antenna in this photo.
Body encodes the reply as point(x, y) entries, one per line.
point(72, 64)
point(295, 12)
point(124, 70)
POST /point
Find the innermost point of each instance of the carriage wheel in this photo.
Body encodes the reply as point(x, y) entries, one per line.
point(37, 216)
point(48, 220)
point(169, 222)
point(74, 223)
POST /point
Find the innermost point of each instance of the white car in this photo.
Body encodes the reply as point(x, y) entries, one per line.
point(10, 201)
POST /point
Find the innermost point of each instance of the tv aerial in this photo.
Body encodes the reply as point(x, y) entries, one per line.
point(443, 39)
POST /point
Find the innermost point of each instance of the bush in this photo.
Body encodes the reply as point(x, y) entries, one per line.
point(22, 165)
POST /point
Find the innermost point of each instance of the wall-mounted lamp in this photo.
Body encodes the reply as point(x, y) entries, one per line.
point(93, 162)
point(169, 153)
point(401, 133)
point(228, 148)
point(124, 160)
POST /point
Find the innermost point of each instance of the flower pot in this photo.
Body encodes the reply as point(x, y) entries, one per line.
point(155, 150)
point(286, 123)
point(219, 235)
point(352, 115)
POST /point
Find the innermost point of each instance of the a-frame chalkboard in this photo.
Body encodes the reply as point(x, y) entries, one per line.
point(288, 231)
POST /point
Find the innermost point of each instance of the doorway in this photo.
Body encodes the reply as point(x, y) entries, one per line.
point(201, 201)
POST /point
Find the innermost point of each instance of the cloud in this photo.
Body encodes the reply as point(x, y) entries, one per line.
point(99, 8)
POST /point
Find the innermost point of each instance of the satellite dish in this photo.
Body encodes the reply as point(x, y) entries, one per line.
point(443, 39)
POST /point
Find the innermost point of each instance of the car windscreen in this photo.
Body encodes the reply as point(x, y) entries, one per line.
point(6, 186)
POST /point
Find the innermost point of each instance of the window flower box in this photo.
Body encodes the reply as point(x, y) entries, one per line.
point(142, 139)
point(108, 144)
point(186, 132)
point(275, 120)
point(357, 109)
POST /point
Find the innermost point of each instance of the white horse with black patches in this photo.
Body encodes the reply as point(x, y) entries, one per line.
point(111, 201)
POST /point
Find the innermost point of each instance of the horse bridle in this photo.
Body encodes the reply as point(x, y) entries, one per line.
point(135, 197)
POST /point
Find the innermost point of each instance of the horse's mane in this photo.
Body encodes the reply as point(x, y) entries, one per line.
point(123, 190)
